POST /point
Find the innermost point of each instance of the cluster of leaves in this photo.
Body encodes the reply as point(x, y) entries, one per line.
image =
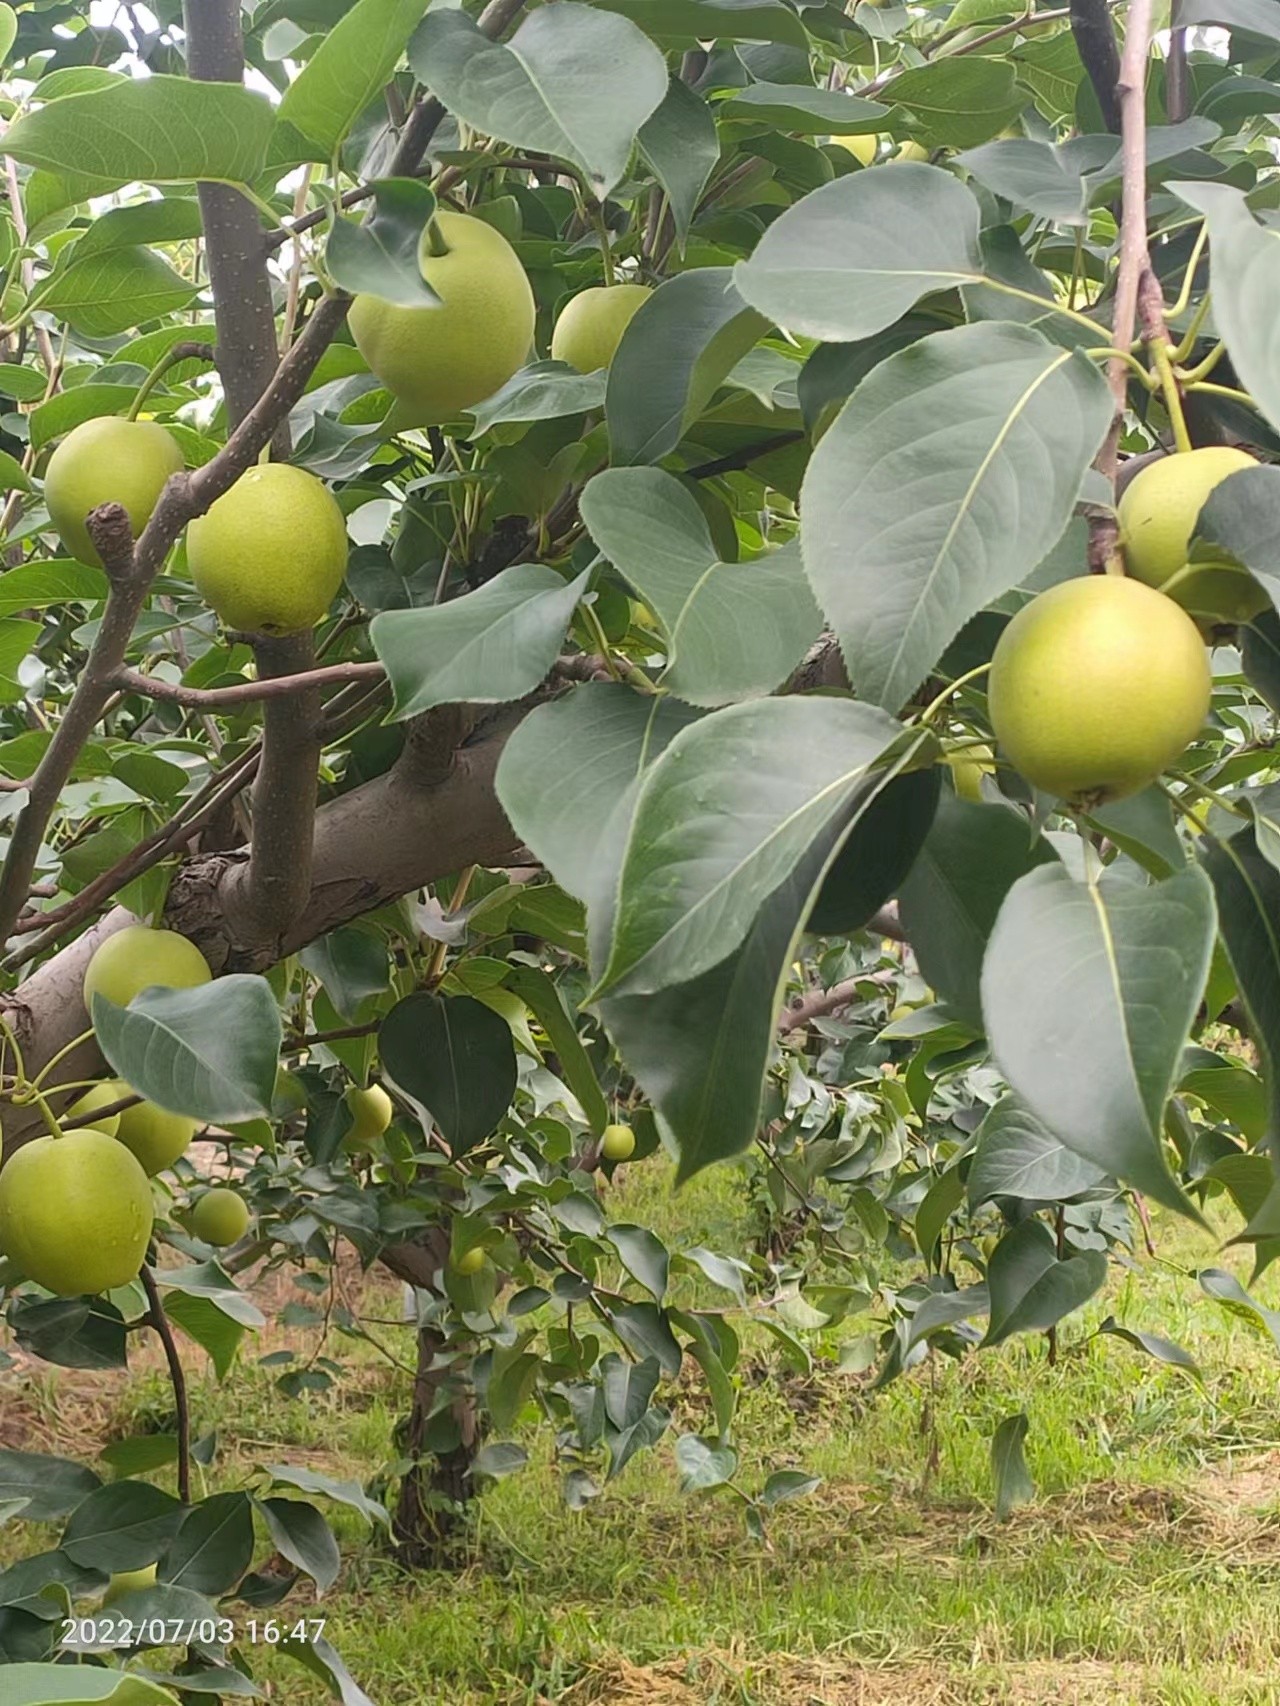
point(859, 409)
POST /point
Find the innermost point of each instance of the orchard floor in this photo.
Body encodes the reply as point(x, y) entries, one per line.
point(1147, 1573)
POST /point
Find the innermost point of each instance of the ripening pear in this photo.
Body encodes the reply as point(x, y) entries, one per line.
point(1158, 513)
point(270, 554)
point(220, 1217)
point(590, 325)
point(618, 1143)
point(75, 1213)
point(108, 460)
point(371, 1112)
point(439, 361)
point(136, 958)
point(1097, 686)
point(863, 148)
point(155, 1136)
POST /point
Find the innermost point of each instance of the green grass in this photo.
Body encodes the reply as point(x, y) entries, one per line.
point(1146, 1572)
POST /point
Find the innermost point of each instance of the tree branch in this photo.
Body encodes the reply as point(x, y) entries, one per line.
point(1095, 40)
point(1177, 84)
point(244, 692)
point(177, 1378)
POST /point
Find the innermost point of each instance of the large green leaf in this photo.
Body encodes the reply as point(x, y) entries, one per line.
point(108, 292)
point(878, 856)
point(1089, 991)
point(692, 21)
point(812, 112)
point(214, 1546)
point(540, 994)
point(1030, 1288)
point(571, 763)
point(344, 74)
point(1015, 1156)
point(957, 102)
point(947, 476)
point(495, 644)
point(734, 630)
point(1009, 1473)
point(77, 1685)
point(850, 258)
point(155, 130)
point(675, 353)
point(1244, 275)
point(47, 1487)
point(301, 1534)
point(455, 1061)
point(1256, 17)
point(680, 143)
point(722, 819)
point(381, 254)
point(210, 1052)
point(122, 1526)
point(1246, 886)
point(971, 858)
point(1034, 175)
point(573, 82)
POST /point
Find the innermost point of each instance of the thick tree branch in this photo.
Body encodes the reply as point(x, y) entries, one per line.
point(284, 794)
point(1177, 83)
point(1095, 40)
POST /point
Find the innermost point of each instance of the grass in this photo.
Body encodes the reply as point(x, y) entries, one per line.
point(1146, 1572)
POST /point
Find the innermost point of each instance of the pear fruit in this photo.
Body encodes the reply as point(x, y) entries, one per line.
point(1158, 512)
point(136, 958)
point(75, 1213)
point(107, 460)
point(371, 1112)
point(220, 1217)
point(270, 554)
point(863, 148)
point(1097, 686)
point(590, 325)
point(439, 361)
point(129, 1581)
point(156, 1137)
point(618, 1143)
point(81, 1112)
point(470, 1261)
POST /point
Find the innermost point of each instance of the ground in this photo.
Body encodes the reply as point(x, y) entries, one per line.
point(1146, 1574)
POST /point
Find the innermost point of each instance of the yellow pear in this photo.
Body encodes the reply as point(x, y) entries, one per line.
point(863, 148)
point(136, 958)
point(108, 460)
point(220, 1217)
point(590, 325)
point(1097, 686)
point(371, 1112)
point(270, 554)
point(75, 1213)
point(439, 361)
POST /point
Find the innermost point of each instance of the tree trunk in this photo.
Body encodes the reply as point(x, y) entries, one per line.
point(442, 1439)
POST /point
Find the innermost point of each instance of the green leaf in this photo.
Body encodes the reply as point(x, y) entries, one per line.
point(957, 103)
point(680, 143)
point(1030, 1288)
point(724, 817)
point(690, 21)
point(543, 391)
point(734, 630)
point(540, 994)
point(1255, 17)
point(1015, 1156)
point(1163, 1350)
point(643, 1256)
point(1228, 1087)
point(321, 1660)
point(852, 257)
point(209, 1052)
point(352, 964)
point(348, 1493)
point(1089, 992)
point(1226, 1289)
point(949, 903)
point(63, 1685)
point(674, 355)
point(572, 764)
point(107, 293)
point(573, 82)
point(947, 476)
point(154, 130)
point(13, 476)
point(8, 31)
point(214, 1546)
point(25, 1586)
point(300, 1533)
point(1013, 1483)
point(171, 219)
point(123, 1526)
point(1034, 174)
point(1246, 886)
point(454, 1060)
point(787, 1484)
point(1242, 521)
point(346, 72)
point(941, 1201)
point(494, 645)
point(879, 855)
point(810, 112)
point(1244, 275)
point(48, 1487)
point(82, 403)
point(381, 255)
point(703, 1463)
point(17, 640)
point(24, 384)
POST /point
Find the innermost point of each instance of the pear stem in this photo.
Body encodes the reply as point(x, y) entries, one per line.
point(436, 244)
point(1171, 394)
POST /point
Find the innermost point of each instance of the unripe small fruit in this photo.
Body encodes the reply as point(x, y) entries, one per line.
point(440, 361)
point(81, 1111)
point(135, 958)
point(270, 554)
point(1097, 686)
point(470, 1261)
point(863, 148)
point(108, 460)
point(75, 1213)
point(590, 325)
point(220, 1217)
point(618, 1143)
point(371, 1112)
point(154, 1136)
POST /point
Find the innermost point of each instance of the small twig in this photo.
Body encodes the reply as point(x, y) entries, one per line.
point(743, 458)
point(178, 1379)
point(244, 692)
